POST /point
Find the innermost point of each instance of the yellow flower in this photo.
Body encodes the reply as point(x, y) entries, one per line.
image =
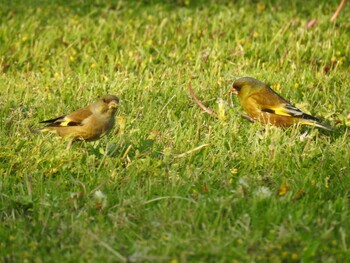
point(283, 190)
point(234, 171)
point(295, 257)
point(327, 179)
point(261, 7)
point(149, 42)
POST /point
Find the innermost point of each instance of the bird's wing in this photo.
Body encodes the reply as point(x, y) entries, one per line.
point(275, 104)
point(73, 119)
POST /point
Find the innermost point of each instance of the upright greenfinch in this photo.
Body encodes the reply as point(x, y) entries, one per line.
point(263, 104)
point(87, 124)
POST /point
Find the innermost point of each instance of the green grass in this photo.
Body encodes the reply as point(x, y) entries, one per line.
point(253, 194)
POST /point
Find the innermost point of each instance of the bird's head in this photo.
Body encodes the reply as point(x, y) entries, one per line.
point(244, 86)
point(111, 101)
point(107, 103)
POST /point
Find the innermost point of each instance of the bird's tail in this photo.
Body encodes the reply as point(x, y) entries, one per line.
point(33, 130)
point(317, 124)
point(43, 129)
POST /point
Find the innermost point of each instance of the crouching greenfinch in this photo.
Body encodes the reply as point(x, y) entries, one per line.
point(86, 124)
point(263, 104)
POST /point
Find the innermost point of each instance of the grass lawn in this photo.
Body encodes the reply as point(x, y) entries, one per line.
point(146, 192)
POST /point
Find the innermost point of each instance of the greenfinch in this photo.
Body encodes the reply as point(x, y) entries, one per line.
point(86, 124)
point(263, 104)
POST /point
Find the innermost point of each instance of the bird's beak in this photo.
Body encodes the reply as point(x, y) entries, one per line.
point(113, 104)
point(233, 91)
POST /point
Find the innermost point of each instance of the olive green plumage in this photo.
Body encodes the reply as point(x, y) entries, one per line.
point(263, 104)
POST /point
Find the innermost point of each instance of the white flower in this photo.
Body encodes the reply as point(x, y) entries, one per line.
point(100, 198)
point(263, 192)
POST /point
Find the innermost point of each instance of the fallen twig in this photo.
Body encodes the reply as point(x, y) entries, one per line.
point(210, 111)
point(311, 23)
point(336, 13)
point(126, 152)
point(200, 104)
point(191, 151)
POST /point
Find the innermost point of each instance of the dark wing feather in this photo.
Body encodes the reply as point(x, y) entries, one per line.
point(73, 119)
point(59, 119)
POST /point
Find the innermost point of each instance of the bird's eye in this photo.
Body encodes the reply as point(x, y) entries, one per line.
point(238, 88)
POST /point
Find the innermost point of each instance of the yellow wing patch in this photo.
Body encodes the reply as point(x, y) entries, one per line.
point(65, 122)
point(285, 110)
point(281, 111)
